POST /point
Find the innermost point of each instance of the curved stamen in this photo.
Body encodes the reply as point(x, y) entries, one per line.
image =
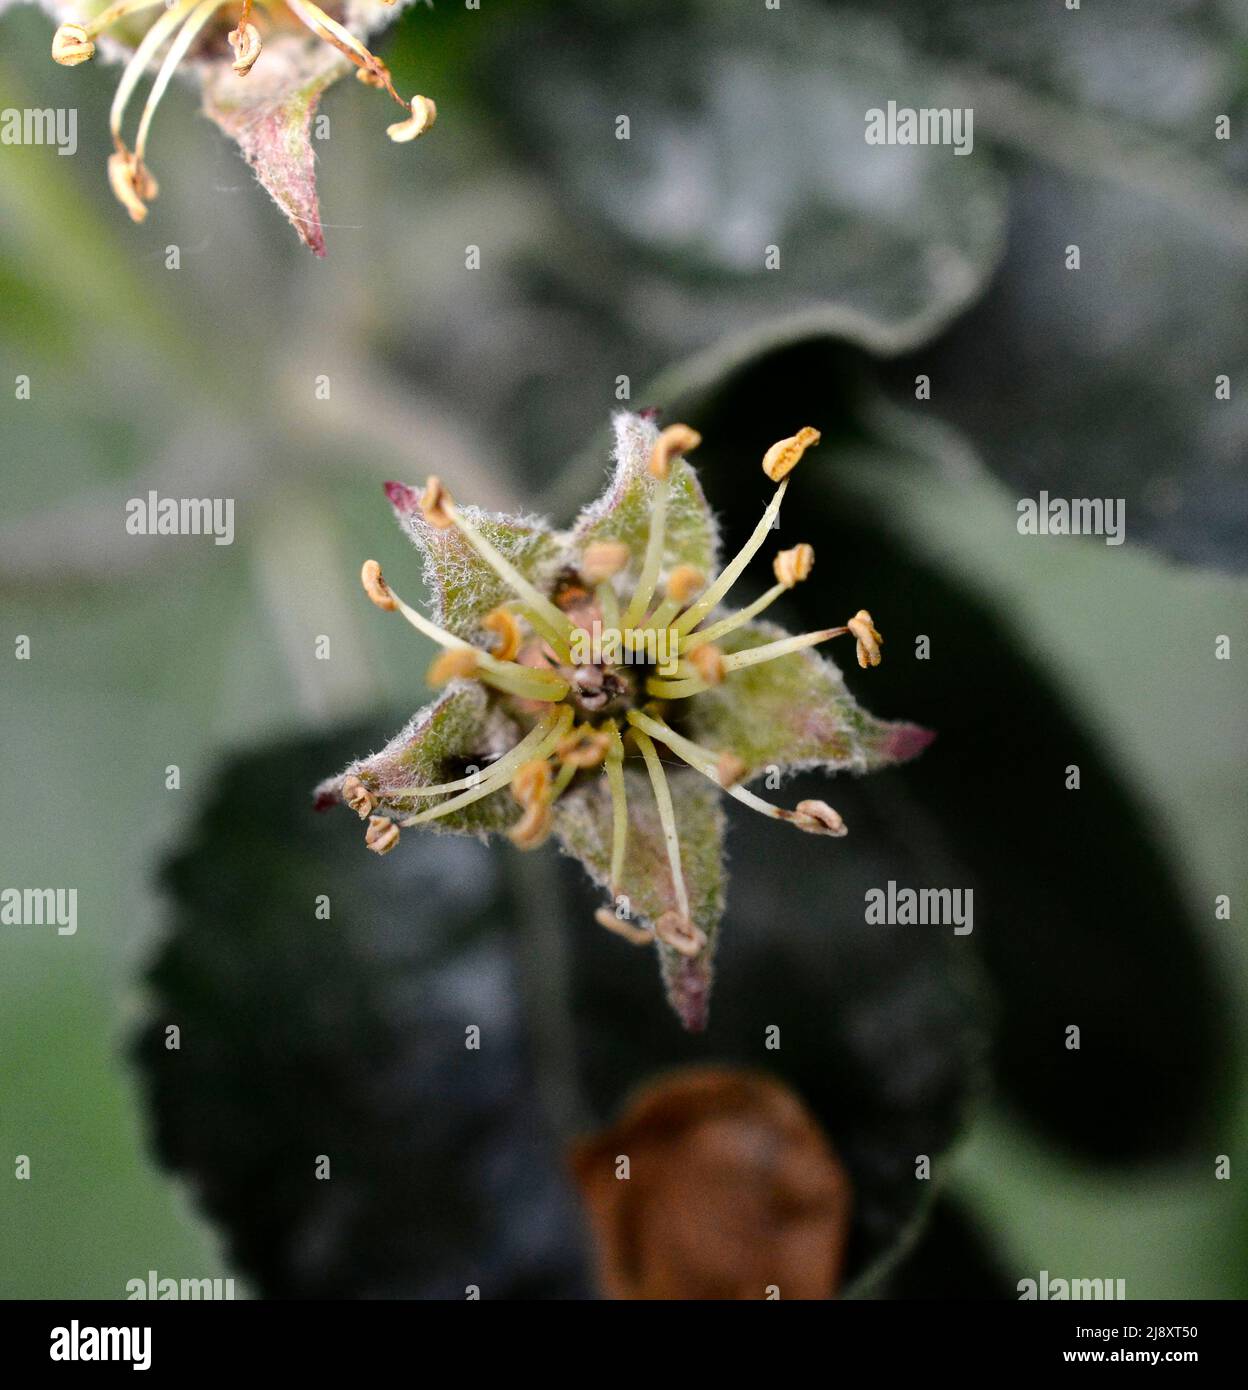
point(345, 42)
point(137, 66)
point(123, 8)
point(544, 613)
point(177, 51)
point(556, 724)
point(772, 651)
point(502, 767)
point(694, 614)
point(708, 764)
point(733, 621)
point(667, 816)
point(651, 565)
point(614, 767)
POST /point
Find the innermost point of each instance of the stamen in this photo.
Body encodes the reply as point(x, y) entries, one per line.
point(132, 185)
point(502, 769)
point(424, 113)
point(603, 560)
point(609, 603)
point(177, 51)
point(815, 817)
point(556, 724)
point(137, 66)
point(585, 747)
point(683, 582)
point(531, 787)
point(545, 612)
point(636, 936)
point(675, 690)
point(772, 651)
point(120, 10)
point(527, 682)
point(71, 45)
point(642, 595)
point(673, 443)
point(693, 615)
point(458, 663)
point(680, 933)
point(867, 638)
point(710, 663)
point(790, 567)
point(566, 773)
point(667, 817)
point(793, 566)
point(344, 41)
point(382, 834)
point(783, 456)
point(504, 626)
point(614, 767)
point(245, 41)
point(357, 796)
point(385, 598)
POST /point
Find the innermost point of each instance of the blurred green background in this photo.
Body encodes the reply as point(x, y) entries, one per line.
point(598, 262)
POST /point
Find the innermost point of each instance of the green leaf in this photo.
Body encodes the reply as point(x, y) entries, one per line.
point(796, 712)
point(623, 512)
point(335, 1046)
point(904, 518)
point(745, 202)
point(583, 823)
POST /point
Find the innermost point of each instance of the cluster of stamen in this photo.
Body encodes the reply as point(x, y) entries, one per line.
point(574, 732)
point(179, 26)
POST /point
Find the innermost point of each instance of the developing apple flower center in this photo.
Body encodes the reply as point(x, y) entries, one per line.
point(598, 672)
point(206, 30)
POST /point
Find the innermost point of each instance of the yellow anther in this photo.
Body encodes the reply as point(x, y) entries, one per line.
point(382, 834)
point(376, 587)
point(680, 933)
point(71, 45)
point(424, 113)
point(783, 456)
point(433, 504)
point(818, 818)
point(683, 582)
point(504, 626)
point(453, 664)
point(867, 638)
point(708, 661)
point(584, 747)
point(730, 769)
point(132, 185)
point(357, 796)
point(603, 560)
point(637, 936)
point(531, 783)
point(245, 41)
point(792, 566)
point(674, 441)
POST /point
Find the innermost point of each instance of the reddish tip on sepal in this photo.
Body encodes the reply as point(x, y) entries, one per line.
point(650, 412)
point(325, 800)
point(690, 994)
point(402, 498)
point(906, 741)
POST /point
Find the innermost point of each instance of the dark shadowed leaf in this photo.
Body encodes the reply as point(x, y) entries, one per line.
point(347, 1038)
point(1079, 918)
